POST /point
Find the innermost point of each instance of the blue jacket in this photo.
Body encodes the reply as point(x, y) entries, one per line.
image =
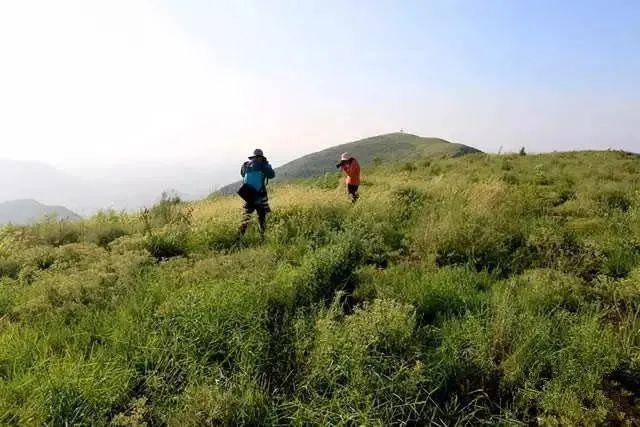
point(255, 172)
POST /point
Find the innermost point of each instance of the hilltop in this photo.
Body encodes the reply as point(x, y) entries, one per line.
point(28, 211)
point(393, 147)
point(480, 289)
point(385, 148)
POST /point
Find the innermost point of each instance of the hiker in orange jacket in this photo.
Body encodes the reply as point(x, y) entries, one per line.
point(351, 168)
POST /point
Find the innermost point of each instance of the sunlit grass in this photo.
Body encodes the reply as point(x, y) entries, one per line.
point(480, 289)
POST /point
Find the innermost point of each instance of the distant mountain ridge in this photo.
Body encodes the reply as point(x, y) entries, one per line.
point(22, 180)
point(121, 187)
point(27, 211)
point(388, 147)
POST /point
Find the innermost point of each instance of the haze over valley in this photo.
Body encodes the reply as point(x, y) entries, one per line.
point(126, 187)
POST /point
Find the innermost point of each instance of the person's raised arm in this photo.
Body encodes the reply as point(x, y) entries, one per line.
point(242, 170)
point(269, 172)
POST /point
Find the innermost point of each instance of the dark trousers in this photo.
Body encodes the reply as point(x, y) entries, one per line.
point(262, 217)
point(352, 190)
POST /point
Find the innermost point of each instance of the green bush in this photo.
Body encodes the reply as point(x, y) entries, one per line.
point(104, 236)
point(56, 233)
point(168, 243)
point(407, 203)
point(614, 199)
point(312, 225)
point(9, 268)
point(484, 247)
point(41, 257)
point(216, 236)
point(106, 227)
point(168, 211)
point(621, 260)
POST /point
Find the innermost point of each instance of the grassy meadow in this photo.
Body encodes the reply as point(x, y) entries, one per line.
point(478, 289)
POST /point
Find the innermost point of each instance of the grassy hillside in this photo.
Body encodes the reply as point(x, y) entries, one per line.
point(393, 147)
point(29, 211)
point(475, 289)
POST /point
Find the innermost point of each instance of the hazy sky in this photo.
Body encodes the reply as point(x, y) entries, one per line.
point(204, 82)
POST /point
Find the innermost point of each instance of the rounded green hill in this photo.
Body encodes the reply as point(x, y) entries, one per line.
point(392, 147)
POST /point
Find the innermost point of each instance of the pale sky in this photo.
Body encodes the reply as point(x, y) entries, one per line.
point(86, 83)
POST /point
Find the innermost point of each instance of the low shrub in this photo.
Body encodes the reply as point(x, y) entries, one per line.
point(9, 268)
point(407, 202)
point(107, 226)
point(313, 225)
point(41, 257)
point(55, 232)
point(128, 243)
point(105, 235)
point(215, 235)
point(485, 247)
point(621, 259)
point(167, 210)
point(380, 242)
point(614, 199)
point(168, 243)
point(553, 245)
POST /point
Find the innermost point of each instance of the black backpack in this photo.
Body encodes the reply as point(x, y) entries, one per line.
point(248, 193)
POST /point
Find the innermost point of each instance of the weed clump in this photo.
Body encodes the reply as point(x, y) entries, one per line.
point(614, 199)
point(168, 243)
point(9, 268)
point(361, 369)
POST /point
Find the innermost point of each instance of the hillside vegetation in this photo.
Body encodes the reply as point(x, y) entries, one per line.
point(495, 289)
point(392, 147)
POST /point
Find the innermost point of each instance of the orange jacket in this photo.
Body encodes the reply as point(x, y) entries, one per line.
point(352, 170)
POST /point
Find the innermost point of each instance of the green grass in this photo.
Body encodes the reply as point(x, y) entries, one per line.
point(468, 290)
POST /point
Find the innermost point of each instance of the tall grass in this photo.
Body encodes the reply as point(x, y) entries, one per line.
point(480, 289)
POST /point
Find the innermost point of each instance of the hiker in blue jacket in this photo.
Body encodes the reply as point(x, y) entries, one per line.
point(255, 174)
